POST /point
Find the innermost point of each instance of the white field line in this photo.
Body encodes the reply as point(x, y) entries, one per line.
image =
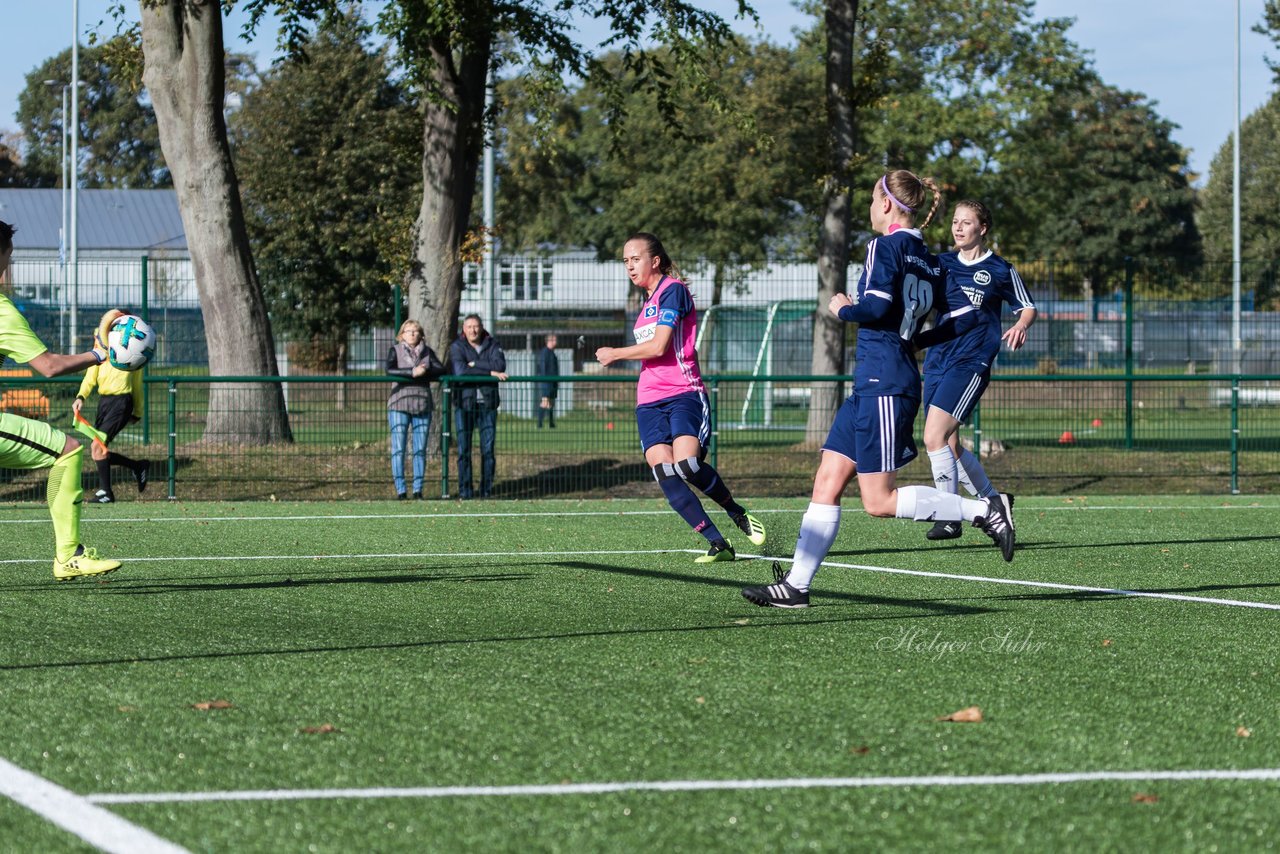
point(1078, 588)
point(583, 513)
point(687, 786)
point(888, 570)
point(100, 828)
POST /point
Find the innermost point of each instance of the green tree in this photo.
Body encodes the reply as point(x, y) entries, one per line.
point(11, 173)
point(184, 70)
point(1119, 185)
point(1259, 215)
point(119, 143)
point(450, 48)
point(717, 190)
point(326, 147)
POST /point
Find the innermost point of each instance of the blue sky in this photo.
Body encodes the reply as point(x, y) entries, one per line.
point(1179, 53)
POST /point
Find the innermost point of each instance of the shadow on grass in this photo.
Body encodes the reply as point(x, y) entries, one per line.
point(149, 588)
point(788, 620)
point(938, 608)
point(1050, 544)
point(599, 473)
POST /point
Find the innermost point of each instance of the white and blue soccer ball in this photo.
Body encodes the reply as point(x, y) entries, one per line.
point(131, 342)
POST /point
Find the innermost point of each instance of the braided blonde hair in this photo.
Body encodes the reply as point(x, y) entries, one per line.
point(907, 191)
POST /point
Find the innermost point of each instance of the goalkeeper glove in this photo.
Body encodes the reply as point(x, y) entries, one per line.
point(104, 329)
point(99, 350)
point(104, 325)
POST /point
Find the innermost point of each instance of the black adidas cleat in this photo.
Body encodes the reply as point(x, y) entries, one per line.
point(996, 524)
point(780, 594)
point(141, 474)
point(945, 531)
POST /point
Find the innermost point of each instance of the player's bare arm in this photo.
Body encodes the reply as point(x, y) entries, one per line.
point(1015, 336)
point(57, 364)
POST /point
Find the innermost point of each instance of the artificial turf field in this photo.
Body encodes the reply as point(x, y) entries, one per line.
point(548, 676)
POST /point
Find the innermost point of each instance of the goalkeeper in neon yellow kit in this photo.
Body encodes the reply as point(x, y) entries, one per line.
point(28, 444)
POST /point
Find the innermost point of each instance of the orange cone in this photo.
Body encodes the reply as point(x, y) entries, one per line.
point(1066, 438)
point(1097, 422)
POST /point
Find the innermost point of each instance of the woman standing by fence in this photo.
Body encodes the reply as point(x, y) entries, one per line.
point(409, 406)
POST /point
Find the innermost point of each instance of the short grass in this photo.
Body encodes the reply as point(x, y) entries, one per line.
point(501, 644)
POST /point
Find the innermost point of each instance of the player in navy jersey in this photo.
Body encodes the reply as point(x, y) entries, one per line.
point(957, 372)
point(901, 283)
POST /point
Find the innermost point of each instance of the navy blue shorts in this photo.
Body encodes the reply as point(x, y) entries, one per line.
point(875, 432)
point(115, 412)
point(957, 389)
point(683, 415)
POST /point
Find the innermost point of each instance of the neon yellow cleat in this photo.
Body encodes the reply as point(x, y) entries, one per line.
point(720, 551)
point(750, 526)
point(83, 565)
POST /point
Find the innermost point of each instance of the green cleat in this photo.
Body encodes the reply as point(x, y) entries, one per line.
point(720, 551)
point(751, 526)
point(84, 564)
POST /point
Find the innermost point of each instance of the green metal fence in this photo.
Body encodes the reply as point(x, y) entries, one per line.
point(1120, 387)
point(1058, 435)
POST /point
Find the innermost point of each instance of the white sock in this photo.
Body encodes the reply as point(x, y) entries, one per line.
point(817, 532)
point(973, 475)
point(926, 504)
point(943, 463)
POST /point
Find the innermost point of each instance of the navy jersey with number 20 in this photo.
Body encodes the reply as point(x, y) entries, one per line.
point(901, 283)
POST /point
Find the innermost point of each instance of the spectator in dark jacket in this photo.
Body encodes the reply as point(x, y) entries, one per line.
point(548, 366)
point(476, 353)
point(409, 407)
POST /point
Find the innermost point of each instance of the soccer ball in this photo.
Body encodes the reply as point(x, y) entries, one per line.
point(130, 343)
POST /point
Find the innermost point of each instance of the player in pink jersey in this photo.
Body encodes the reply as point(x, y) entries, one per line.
point(671, 402)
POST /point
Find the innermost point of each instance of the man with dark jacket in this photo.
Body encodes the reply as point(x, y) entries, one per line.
point(476, 353)
point(548, 366)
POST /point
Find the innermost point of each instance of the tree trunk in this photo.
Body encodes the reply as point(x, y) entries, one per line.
point(833, 249)
point(184, 75)
point(452, 142)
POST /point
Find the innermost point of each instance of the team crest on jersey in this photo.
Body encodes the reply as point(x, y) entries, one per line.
point(982, 277)
point(650, 311)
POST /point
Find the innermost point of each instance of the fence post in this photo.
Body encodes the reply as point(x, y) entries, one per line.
point(146, 389)
point(446, 416)
point(1235, 435)
point(395, 330)
point(1128, 353)
point(173, 439)
point(714, 445)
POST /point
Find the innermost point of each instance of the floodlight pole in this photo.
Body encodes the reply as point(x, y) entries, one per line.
point(62, 223)
point(75, 172)
point(1235, 215)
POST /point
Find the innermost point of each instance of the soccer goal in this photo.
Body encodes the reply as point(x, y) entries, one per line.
point(763, 340)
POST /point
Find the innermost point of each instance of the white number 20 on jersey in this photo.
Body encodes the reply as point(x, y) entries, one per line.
point(917, 298)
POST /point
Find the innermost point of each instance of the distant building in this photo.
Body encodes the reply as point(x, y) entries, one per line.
point(116, 228)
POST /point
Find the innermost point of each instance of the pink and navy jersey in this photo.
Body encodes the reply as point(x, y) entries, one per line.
point(988, 283)
point(676, 370)
point(901, 283)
